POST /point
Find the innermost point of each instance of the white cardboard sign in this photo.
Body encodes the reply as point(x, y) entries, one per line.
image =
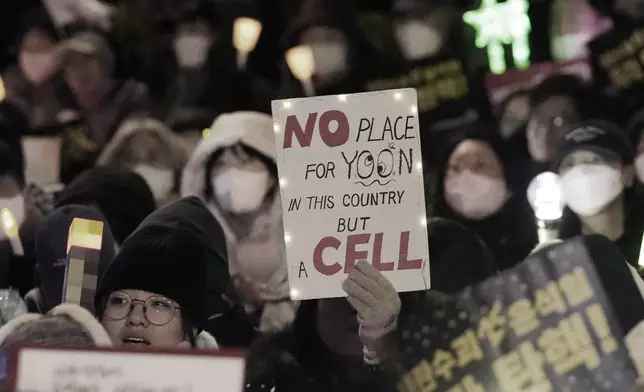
point(44, 369)
point(351, 184)
point(42, 159)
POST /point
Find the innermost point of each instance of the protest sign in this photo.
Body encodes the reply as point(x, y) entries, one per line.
point(42, 159)
point(546, 325)
point(445, 96)
point(84, 244)
point(44, 369)
point(351, 183)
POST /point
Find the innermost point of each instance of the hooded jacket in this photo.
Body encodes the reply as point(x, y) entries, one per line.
point(66, 324)
point(510, 233)
point(117, 146)
point(51, 253)
point(264, 243)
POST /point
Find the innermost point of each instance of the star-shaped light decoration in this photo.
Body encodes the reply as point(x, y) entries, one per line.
point(499, 24)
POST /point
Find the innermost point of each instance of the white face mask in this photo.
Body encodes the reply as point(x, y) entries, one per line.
point(16, 205)
point(418, 40)
point(639, 167)
point(589, 188)
point(37, 67)
point(475, 196)
point(330, 58)
point(160, 181)
point(240, 191)
point(191, 50)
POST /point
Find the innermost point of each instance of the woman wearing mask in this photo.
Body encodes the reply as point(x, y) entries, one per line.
point(148, 147)
point(421, 29)
point(595, 163)
point(234, 171)
point(186, 100)
point(31, 85)
point(480, 190)
point(340, 51)
point(430, 61)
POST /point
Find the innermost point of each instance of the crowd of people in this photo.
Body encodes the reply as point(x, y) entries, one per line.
point(167, 139)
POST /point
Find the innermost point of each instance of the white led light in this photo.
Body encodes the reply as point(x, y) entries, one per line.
point(414, 109)
point(287, 105)
point(295, 293)
point(287, 238)
point(283, 182)
point(419, 166)
point(423, 221)
point(276, 128)
point(342, 98)
point(397, 95)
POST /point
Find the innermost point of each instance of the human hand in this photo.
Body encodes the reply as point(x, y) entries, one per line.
point(377, 304)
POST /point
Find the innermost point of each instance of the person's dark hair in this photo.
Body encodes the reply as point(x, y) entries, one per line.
point(189, 331)
point(459, 257)
point(14, 123)
point(486, 132)
point(37, 19)
point(635, 128)
point(214, 158)
point(11, 165)
point(562, 85)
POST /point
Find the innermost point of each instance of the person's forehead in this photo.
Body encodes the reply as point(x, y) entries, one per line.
point(472, 148)
point(584, 154)
point(557, 103)
point(139, 294)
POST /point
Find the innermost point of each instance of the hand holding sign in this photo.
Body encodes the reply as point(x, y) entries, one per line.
point(352, 165)
point(83, 254)
point(376, 302)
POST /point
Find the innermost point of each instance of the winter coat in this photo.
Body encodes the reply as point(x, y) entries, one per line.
point(263, 247)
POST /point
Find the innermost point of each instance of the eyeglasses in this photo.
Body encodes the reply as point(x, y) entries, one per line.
point(158, 310)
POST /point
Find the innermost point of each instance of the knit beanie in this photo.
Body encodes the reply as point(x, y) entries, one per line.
point(161, 260)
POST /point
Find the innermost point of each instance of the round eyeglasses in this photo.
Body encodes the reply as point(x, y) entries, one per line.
point(158, 310)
